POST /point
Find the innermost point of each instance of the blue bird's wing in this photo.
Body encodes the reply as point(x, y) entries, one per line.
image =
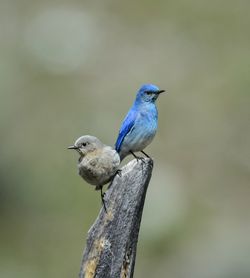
point(127, 125)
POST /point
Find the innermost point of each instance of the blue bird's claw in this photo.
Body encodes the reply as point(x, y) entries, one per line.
point(146, 154)
point(138, 157)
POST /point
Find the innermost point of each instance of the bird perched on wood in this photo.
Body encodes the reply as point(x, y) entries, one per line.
point(139, 126)
point(98, 163)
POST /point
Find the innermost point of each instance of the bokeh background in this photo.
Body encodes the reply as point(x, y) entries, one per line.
point(70, 68)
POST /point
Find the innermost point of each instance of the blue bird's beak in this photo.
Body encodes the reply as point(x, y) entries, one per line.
point(160, 91)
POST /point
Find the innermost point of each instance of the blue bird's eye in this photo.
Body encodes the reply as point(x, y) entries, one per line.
point(148, 92)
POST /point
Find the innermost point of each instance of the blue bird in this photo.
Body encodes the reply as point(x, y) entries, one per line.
point(139, 126)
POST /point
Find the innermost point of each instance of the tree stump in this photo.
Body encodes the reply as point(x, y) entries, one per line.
point(110, 250)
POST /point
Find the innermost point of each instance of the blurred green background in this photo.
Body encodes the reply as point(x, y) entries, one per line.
point(70, 68)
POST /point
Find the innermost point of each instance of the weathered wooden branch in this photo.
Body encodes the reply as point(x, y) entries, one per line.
point(110, 250)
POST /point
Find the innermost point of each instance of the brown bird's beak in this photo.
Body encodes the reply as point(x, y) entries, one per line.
point(72, 148)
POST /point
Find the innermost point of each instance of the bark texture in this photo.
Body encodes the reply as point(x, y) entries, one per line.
point(110, 250)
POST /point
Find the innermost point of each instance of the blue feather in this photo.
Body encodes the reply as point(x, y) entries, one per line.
point(127, 125)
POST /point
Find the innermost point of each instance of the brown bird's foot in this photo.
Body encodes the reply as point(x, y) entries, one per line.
point(119, 173)
point(103, 201)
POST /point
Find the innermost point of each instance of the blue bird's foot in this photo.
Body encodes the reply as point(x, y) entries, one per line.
point(138, 157)
point(146, 154)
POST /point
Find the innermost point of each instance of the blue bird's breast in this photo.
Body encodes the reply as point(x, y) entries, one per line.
point(144, 129)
